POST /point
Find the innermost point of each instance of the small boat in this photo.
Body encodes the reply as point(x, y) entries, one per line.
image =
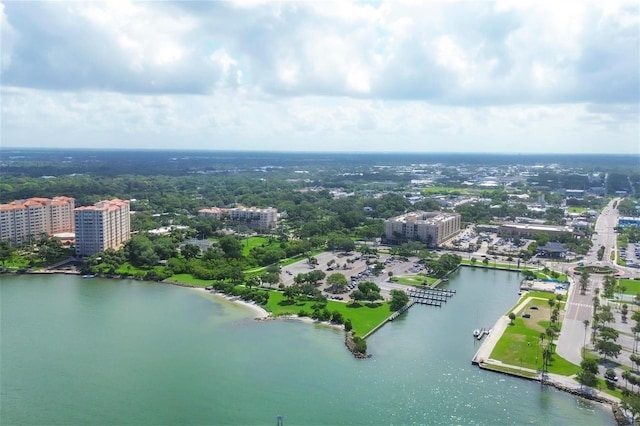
point(88, 276)
point(476, 332)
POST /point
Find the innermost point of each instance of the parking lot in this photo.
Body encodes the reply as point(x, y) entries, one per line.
point(631, 255)
point(354, 267)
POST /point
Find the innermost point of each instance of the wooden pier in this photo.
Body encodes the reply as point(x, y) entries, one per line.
point(430, 296)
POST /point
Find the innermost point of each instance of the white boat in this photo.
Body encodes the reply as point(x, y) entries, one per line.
point(476, 332)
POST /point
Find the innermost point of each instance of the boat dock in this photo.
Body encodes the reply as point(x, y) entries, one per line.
point(430, 296)
point(420, 295)
point(482, 333)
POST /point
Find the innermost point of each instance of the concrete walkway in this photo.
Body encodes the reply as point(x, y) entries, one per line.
point(483, 358)
point(489, 343)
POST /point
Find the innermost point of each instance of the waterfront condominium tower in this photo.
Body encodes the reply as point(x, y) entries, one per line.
point(22, 221)
point(104, 225)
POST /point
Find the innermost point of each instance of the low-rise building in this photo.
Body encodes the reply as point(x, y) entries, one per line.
point(432, 228)
point(528, 230)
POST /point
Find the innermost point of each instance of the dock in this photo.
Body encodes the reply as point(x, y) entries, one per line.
point(430, 296)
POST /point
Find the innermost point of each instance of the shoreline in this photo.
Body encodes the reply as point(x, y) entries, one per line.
point(562, 383)
point(262, 314)
point(259, 312)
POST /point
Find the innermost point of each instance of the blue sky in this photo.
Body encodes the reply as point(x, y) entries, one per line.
point(416, 76)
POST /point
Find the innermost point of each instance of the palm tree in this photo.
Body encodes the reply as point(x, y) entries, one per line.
point(551, 304)
point(584, 342)
point(625, 376)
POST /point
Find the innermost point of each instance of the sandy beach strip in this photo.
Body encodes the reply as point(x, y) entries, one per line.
point(259, 312)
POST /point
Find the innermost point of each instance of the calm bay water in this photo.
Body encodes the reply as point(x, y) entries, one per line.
point(77, 351)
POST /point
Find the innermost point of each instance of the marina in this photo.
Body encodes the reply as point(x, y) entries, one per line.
point(430, 295)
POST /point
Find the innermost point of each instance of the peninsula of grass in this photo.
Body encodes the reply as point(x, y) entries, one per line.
point(364, 318)
point(519, 345)
point(415, 280)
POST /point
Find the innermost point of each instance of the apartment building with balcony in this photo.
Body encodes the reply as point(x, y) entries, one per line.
point(432, 228)
point(253, 217)
point(24, 220)
point(104, 225)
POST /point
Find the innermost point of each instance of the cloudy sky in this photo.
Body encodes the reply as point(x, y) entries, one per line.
point(417, 76)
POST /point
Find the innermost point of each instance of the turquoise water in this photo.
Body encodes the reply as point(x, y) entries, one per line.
point(77, 351)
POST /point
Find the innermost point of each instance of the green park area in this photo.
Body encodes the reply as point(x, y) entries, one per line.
point(523, 342)
point(541, 275)
point(255, 241)
point(364, 317)
point(630, 286)
point(578, 210)
point(188, 279)
point(414, 279)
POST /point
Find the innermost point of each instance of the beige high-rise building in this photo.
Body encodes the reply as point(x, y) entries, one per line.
point(104, 225)
point(254, 217)
point(431, 228)
point(22, 220)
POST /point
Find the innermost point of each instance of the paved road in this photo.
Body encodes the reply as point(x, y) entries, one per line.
point(579, 308)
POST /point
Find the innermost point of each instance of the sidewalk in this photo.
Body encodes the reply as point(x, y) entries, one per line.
point(484, 352)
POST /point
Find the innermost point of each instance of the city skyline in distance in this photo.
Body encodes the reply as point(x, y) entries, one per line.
point(486, 77)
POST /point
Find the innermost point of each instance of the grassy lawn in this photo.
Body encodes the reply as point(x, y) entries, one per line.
point(542, 276)
point(128, 269)
point(418, 279)
point(251, 242)
point(188, 279)
point(363, 318)
point(578, 210)
point(519, 345)
point(631, 286)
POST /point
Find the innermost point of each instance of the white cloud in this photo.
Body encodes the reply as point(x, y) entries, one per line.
point(503, 75)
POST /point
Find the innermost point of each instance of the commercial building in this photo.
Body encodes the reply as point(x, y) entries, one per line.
point(253, 217)
point(22, 220)
point(104, 225)
point(432, 228)
point(528, 230)
point(625, 221)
